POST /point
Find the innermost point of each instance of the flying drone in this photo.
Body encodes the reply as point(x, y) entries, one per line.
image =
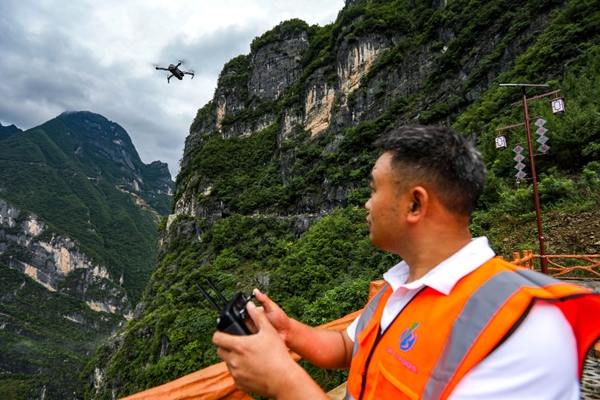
point(175, 71)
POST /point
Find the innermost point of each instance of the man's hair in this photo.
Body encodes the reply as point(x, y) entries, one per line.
point(437, 157)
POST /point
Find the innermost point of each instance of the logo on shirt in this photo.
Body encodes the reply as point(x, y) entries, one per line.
point(409, 337)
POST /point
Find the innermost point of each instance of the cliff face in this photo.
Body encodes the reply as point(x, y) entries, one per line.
point(82, 176)
point(277, 66)
point(52, 261)
point(360, 73)
point(104, 147)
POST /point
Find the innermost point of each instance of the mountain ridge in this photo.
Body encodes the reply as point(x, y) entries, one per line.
point(6, 131)
point(79, 213)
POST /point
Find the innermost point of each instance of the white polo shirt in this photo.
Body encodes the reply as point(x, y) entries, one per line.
point(538, 361)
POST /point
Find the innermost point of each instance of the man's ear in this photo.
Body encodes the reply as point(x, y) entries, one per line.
point(418, 204)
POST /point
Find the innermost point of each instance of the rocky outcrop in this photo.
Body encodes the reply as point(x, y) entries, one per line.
point(248, 83)
point(354, 79)
point(27, 245)
point(276, 66)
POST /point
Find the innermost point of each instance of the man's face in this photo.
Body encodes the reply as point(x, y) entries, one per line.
point(384, 205)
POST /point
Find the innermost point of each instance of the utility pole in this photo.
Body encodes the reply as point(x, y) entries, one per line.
point(557, 107)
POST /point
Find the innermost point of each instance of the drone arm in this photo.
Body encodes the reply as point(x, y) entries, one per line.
point(161, 68)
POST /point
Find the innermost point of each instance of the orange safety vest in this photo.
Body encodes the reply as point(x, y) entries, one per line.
point(437, 339)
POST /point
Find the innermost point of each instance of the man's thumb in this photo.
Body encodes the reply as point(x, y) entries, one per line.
point(258, 315)
point(264, 300)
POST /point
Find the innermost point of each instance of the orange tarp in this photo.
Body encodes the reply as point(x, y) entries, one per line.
point(209, 383)
point(214, 382)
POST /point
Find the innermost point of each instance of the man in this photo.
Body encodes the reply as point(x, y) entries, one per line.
point(454, 321)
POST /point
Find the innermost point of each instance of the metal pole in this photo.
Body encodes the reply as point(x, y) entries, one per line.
point(543, 260)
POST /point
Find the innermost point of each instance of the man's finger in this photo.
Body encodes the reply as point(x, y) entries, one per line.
point(261, 321)
point(263, 299)
point(258, 295)
point(257, 314)
point(224, 340)
point(222, 353)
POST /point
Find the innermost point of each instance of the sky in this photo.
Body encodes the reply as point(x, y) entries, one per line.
point(100, 56)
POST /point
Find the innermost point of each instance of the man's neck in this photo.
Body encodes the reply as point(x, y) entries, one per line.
point(431, 253)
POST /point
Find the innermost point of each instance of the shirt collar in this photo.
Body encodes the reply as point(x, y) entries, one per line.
point(444, 276)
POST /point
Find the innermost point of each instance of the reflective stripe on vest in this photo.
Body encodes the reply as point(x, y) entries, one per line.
point(485, 303)
point(363, 321)
point(366, 315)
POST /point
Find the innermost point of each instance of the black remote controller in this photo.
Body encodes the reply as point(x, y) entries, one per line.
point(232, 318)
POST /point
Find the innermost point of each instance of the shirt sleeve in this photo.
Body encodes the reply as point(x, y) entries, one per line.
point(538, 361)
point(351, 329)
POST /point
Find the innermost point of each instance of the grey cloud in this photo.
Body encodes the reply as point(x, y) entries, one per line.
point(47, 68)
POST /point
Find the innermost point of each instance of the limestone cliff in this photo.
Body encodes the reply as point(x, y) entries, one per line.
point(399, 70)
point(49, 259)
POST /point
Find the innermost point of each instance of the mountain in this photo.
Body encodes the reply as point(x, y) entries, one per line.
point(275, 170)
point(6, 131)
point(79, 213)
point(81, 174)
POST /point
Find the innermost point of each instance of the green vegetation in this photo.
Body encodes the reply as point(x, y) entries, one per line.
point(86, 198)
point(247, 177)
point(46, 336)
point(283, 229)
point(280, 32)
point(78, 174)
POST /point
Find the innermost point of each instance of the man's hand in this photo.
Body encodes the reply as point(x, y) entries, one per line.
point(276, 316)
point(259, 363)
point(323, 348)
